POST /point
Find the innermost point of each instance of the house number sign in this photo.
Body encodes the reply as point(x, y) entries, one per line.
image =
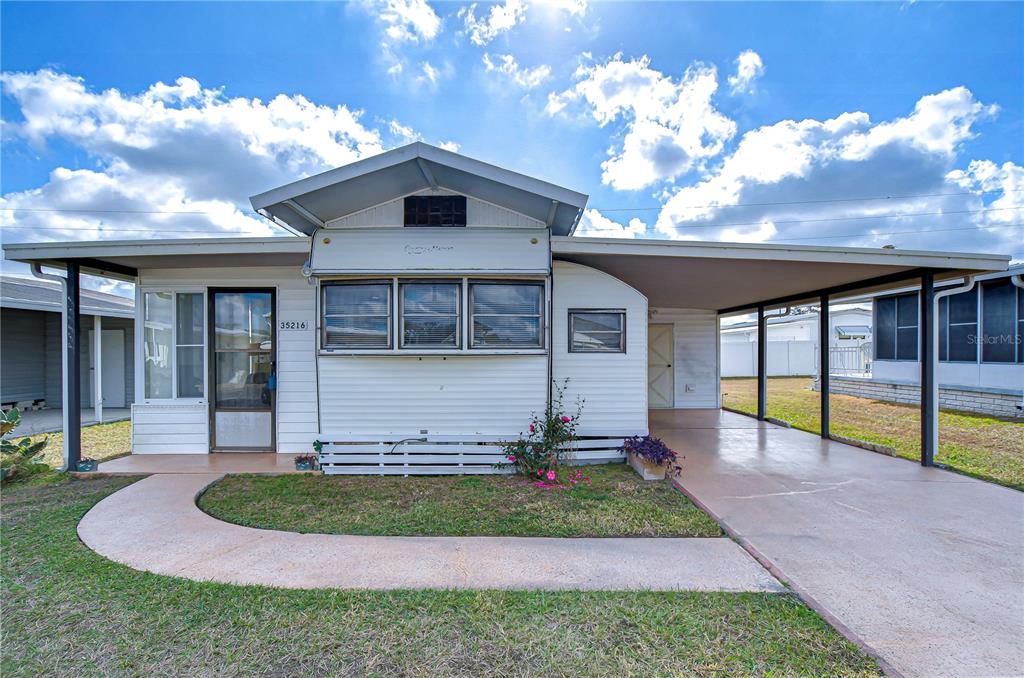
point(294, 324)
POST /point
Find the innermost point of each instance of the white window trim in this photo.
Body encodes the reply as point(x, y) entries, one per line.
point(140, 337)
point(541, 329)
point(573, 312)
point(465, 311)
point(459, 313)
point(322, 314)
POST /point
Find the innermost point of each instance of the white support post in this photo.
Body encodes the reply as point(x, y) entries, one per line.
point(97, 361)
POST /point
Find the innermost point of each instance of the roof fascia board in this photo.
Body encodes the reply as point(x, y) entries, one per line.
point(55, 308)
point(54, 251)
point(412, 152)
point(756, 251)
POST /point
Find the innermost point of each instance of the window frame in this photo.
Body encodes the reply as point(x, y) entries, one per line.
point(541, 325)
point(945, 323)
point(1016, 322)
point(140, 355)
point(322, 313)
point(573, 312)
point(458, 284)
point(897, 326)
point(428, 198)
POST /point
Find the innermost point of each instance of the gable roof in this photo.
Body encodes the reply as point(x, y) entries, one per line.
point(43, 295)
point(307, 204)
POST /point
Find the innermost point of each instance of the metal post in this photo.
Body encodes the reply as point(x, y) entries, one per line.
point(824, 366)
point(72, 368)
point(762, 365)
point(926, 329)
point(97, 368)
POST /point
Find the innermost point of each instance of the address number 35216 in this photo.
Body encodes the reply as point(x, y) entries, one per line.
point(294, 324)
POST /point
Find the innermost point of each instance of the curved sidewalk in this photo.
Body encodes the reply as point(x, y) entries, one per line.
point(155, 525)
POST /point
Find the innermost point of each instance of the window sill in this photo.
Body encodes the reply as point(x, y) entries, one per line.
point(443, 353)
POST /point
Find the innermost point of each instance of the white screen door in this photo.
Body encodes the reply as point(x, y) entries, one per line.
point(660, 375)
point(112, 366)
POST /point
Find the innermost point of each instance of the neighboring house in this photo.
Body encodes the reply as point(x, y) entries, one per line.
point(793, 343)
point(30, 353)
point(432, 305)
point(981, 347)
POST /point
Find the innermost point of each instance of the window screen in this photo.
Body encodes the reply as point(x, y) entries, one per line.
point(506, 315)
point(999, 322)
point(189, 344)
point(885, 328)
point(435, 210)
point(430, 314)
point(597, 331)
point(906, 327)
point(357, 315)
point(1020, 325)
point(958, 327)
point(158, 337)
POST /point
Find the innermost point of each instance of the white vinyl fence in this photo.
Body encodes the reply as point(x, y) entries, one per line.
point(785, 358)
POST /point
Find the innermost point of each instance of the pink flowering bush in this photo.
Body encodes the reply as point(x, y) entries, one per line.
point(541, 454)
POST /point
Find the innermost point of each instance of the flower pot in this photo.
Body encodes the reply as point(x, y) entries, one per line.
point(647, 469)
point(303, 466)
point(87, 466)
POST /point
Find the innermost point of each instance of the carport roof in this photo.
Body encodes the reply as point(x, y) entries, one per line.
point(307, 204)
point(735, 277)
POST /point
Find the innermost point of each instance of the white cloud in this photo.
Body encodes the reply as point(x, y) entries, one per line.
point(593, 224)
point(805, 181)
point(749, 68)
point(449, 146)
point(670, 125)
point(500, 18)
point(406, 20)
point(575, 8)
point(182, 149)
point(506, 64)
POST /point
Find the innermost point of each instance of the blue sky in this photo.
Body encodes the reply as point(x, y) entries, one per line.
point(733, 121)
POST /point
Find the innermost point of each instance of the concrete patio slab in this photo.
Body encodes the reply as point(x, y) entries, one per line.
point(925, 566)
point(155, 525)
point(217, 463)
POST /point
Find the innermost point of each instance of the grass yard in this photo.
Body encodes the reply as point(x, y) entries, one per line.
point(980, 446)
point(617, 504)
point(100, 441)
point(69, 612)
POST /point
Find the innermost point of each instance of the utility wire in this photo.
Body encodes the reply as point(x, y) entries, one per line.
point(803, 202)
point(930, 230)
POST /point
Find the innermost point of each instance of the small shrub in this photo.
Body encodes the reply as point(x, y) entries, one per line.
point(543, 451)
point(19, 457)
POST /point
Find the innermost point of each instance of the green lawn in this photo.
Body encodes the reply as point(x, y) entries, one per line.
point(100, 441)
point(617, 504)
point(69, 612)
point(981, 446)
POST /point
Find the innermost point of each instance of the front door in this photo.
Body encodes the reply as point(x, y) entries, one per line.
point(111, 366)
point(660, 379)
point(242, 370)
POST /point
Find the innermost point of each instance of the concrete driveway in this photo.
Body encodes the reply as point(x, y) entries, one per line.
point(925, 566)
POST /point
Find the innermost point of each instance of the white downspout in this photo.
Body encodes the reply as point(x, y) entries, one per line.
point(97, 367)
point(967, 286)
point(1018, 281)
point(37, 271)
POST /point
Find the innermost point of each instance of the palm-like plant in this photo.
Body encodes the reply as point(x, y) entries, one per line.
point(17, 455)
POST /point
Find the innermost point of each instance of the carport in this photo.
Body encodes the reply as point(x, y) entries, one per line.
point(735, 278)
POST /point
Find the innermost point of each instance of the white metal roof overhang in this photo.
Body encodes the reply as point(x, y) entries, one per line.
point(308, 204)
point(122, 259)
point(737, 277)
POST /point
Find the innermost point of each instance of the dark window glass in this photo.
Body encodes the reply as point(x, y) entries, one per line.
point(1020, 325)
point(885, 328)
point(435, 210)
point(597, 331)
point(999, 331)
point(357, 315)
point(906, 327)
point(944, 328)
point(960, 327)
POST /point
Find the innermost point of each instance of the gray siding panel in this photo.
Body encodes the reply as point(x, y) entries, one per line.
point(22, 355)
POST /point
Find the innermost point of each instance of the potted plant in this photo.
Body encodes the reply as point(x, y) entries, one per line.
point(86, 465)
point(305, 462)
point(651, 457)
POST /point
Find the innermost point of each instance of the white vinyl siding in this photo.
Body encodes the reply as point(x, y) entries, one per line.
point(695, 355)
point(613, 386)
point(478, 214)
point(180, 426)
point(490, 394)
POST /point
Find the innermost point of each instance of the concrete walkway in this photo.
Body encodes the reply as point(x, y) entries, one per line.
point(154, 525)
point(216, 463)
point(925, 566)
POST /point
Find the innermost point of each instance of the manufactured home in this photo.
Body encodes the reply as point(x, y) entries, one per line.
point(428, 304)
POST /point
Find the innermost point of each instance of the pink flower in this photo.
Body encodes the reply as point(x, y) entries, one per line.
point(539, 472)
point(565, 419)
point(511, 457)
point(552, 475)
point(531, 428)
